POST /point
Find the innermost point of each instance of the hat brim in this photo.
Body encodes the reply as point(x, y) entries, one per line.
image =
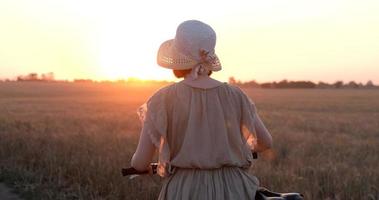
point(169, 57)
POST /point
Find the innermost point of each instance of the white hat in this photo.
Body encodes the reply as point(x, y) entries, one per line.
point(193, 46)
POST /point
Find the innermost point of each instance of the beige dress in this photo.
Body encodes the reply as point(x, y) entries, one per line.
point(204, 137)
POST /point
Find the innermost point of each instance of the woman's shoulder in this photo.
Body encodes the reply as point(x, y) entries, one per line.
point(161, 93)
point(235, 90)
point(239, 94)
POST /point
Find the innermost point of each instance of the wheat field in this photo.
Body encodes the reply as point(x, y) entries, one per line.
point(69, 141)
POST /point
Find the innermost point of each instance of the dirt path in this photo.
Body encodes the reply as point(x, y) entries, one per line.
point(6, 193)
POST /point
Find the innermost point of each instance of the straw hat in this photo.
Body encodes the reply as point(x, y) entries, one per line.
point(192, 48)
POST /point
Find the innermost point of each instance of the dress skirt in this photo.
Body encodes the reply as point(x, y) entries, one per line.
point(225, 183)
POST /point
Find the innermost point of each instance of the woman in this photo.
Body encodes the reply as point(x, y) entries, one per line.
point(203, 129)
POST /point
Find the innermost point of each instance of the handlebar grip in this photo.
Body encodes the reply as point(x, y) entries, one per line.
point(132, 171)
point(255, 155)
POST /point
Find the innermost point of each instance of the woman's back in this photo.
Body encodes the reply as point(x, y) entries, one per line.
point(204, 151)
point(203, 125)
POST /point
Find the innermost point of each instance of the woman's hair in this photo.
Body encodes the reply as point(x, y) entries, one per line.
point(183, 72)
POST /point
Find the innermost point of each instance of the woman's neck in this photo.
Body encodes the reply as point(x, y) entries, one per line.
point(199, 77)
point(202, 81)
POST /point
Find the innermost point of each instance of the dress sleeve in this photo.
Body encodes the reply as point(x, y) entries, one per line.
point(253, 128)
point(249, 119)
point(144, 153)
point(153, 116)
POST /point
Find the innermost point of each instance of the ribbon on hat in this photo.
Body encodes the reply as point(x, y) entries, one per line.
point(207, 63)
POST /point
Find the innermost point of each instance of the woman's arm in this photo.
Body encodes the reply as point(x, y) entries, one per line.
point(145, 152)
point(264, 139)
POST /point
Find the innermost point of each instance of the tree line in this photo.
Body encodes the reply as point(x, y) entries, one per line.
point(301, 84)
point(49, 77)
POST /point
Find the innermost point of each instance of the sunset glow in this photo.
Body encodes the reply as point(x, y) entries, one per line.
point(261, 40)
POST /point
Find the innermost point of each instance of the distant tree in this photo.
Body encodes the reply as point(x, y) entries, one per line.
point(338, 84)
point(369, 84)
point(282, 84)
point(352, 84)
point(20, 78)
point(32, 77)
point(29, 77)
point(289, 84)
point(48, 76)
point(274, 84)
point(323, 85)
point(252, 84)
point(232, 80)
point(302, 84)
point(267, 85)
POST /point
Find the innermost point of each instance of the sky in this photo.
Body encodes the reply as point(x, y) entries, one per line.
point(271, 40)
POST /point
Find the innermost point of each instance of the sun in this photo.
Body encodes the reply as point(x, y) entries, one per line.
point(124, 53)
point(121, 64)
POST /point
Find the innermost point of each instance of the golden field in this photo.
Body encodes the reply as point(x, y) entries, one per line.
point(69, 141)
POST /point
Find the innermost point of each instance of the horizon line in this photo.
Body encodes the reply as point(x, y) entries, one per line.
point(40, 76)
point(136, 79)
